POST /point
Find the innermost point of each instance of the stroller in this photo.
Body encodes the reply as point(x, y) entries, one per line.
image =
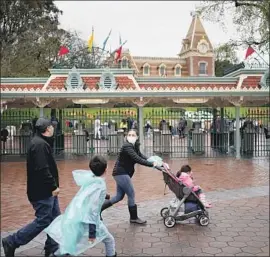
point(188, 202)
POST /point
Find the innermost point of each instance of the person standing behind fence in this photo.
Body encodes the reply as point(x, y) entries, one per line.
point(97, 127)
point(181, 127)
point(123, 125)
point(42, 191)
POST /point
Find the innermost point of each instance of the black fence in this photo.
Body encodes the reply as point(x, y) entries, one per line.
point(177, 132)
point(207, 132)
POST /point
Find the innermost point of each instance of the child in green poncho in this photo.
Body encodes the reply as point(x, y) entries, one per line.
point(80, 227)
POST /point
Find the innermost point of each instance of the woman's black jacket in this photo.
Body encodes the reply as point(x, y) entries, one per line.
point(129, 155)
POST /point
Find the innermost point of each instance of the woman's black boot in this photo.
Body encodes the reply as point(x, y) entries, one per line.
point(105, 206)
point(134, 215)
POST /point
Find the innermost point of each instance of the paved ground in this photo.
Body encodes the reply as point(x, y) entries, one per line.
point(239, 219)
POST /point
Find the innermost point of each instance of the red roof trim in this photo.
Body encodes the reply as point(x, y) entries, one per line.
point(251, 82)
point(21, 86)
point(91, 82)
point(182, 86)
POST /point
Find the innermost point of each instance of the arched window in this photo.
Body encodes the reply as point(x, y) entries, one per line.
point(74, 80)
point(107, 80)
point(162, 70)
point(177, 70)
point(146, 69)
point(124, 63)
point(202, 68)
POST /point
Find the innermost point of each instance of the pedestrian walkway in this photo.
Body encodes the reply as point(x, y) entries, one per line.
point(239, 227)
point(212, 175)
point(239, 224)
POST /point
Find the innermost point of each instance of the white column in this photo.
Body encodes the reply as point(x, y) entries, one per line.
point(238, 136)
point(141, 127)
point(41, 112)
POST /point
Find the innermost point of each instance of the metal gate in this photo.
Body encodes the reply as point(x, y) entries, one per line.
point(255, 132)
point(177, 132)
point(16, 130)
point(87, 131)
point(205, 132)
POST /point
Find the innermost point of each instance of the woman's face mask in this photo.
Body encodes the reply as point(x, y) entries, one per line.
point(132, 137)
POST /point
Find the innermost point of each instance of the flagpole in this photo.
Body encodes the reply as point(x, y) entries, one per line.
point(119, 46)
point(104, 45)
point(92, 50)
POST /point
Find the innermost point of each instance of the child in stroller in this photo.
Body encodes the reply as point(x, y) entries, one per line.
point(188, 204)
point(185, 175)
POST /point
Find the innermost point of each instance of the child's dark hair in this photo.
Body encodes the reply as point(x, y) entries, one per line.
point(98, 165)
point(185, 169)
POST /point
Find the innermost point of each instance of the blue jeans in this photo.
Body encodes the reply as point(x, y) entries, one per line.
point(124, 186)
point(109, 245)
point(45, 211)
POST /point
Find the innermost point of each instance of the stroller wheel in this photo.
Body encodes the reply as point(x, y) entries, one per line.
point(203, 220)
point(164, 212)
point(169, 221)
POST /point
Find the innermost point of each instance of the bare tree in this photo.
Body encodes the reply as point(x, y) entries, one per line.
point(251, 18)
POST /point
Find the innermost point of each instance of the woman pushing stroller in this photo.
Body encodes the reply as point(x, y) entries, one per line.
point(123, 171)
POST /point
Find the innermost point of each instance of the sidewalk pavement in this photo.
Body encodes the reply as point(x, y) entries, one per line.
point(239, 226)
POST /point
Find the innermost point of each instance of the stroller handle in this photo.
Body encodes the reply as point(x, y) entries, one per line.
point(160, 168)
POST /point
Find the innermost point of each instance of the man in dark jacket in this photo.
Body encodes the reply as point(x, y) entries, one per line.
point(42, 190)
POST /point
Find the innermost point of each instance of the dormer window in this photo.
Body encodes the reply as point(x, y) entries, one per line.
point(107, 81)
point(124, 63)
point(146, 69)
point(177, 70)
point(162, 70)
point(74, 80)
point(202, 68)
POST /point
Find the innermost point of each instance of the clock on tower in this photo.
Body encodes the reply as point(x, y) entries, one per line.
point(202, 48)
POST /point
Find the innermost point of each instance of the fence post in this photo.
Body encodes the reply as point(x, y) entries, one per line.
point(141, 126)
point(238, 137)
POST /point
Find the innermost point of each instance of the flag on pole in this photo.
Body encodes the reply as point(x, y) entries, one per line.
point(106, 40)
point(63, 51)
point(118, 53)
point(249, 52)
point(91, 40)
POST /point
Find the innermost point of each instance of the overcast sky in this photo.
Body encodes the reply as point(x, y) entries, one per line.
point(150, 28)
